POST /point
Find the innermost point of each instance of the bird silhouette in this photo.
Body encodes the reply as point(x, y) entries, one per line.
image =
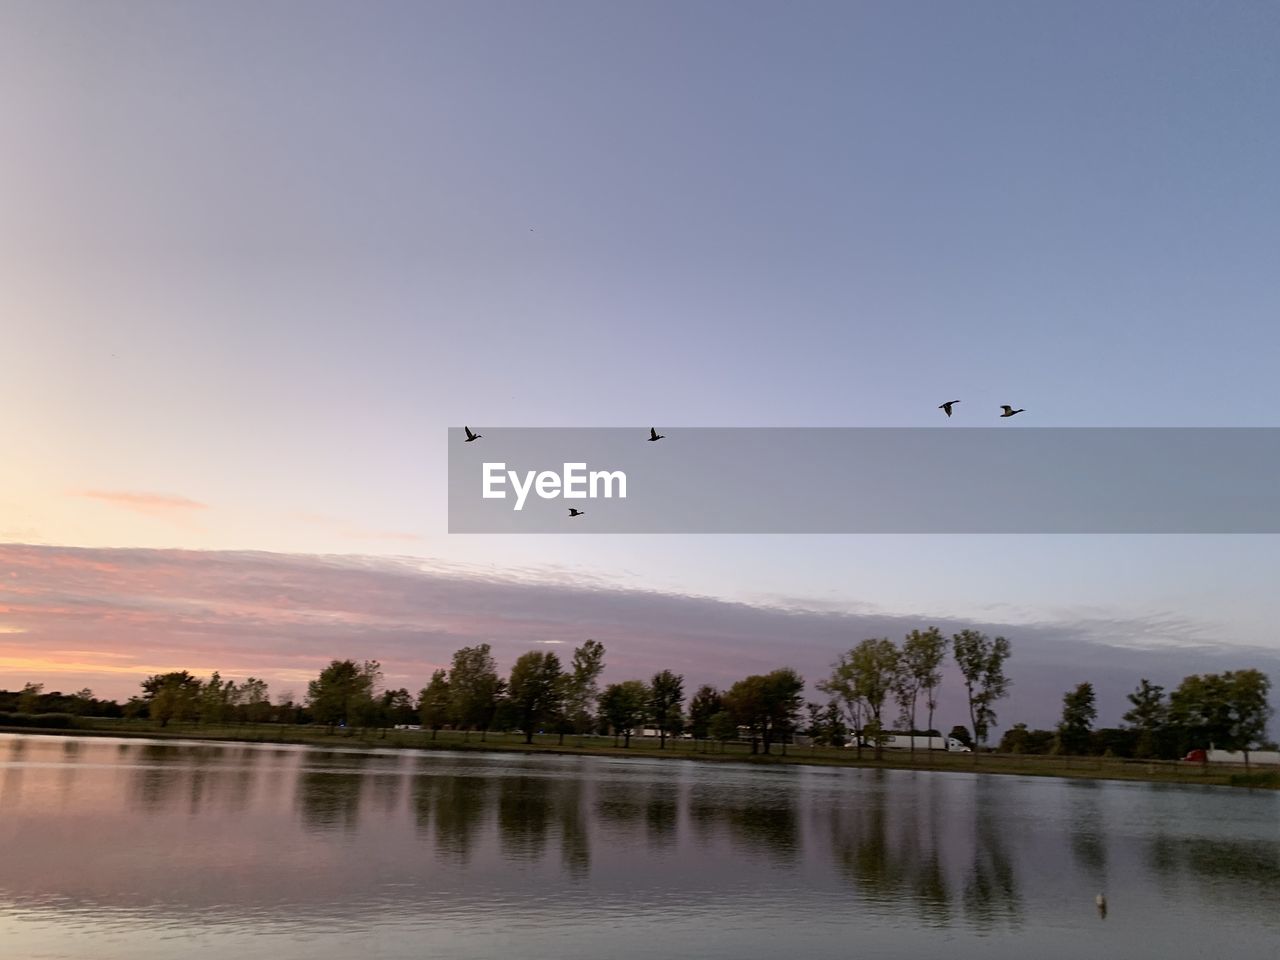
point(1009, 411)
point(946, 407)
point(655, 435)
point(470, 436)
point(1101, 902)
point(575, 512)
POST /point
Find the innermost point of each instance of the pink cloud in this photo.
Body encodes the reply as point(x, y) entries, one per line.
point(151, 504)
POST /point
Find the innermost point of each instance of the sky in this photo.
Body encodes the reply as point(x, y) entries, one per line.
point(257, 258)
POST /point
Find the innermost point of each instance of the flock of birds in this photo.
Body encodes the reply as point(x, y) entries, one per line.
point(655, 436)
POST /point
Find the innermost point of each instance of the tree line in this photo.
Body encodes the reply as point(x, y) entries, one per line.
point(877, 688)
point(1227, 711)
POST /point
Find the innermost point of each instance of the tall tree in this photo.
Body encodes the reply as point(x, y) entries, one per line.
point(536, 689)
point(1228, 711)
point(256, 700)
point(1148, 716)
point(745, 702)
point(784, 696)
point(840, 686)
point(722, 726)
point(581, 689)
point(835, 733)
point(863, 678)
point(767, 704)
point(435, 703)
point(474, 688)
point(29, 698)
point(398, 707)
point(981, 661)
point(218, 698)
point(341, 691)
point(666, 694)
point(1251, 708)
point(171, 696)
point(367, 710)
point(1079, 710)
point(82, 701)
point(826, 726)
point(706, 703)
point(922, 654)
point(623, 707)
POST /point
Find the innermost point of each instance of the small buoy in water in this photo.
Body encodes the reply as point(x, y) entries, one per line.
point(1101, 901)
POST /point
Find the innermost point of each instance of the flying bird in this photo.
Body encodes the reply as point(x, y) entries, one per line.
point(575, 512)
point(470, 436)
point(655, 435)
point(946, 407)
point(1008, 410)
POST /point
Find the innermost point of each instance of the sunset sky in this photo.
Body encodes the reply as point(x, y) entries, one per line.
point(256, 258)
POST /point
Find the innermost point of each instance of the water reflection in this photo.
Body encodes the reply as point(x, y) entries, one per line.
point(1086, 823)
point(662, 812)
point(1232, 868)
point(460, 805)
point(760, 820)
point(524, 816)
point(362, 838)
point(11, 780)
point(618, 803)
point(386, 790)
point(328, 792)
point(155, 777)
point(575, 832)
point(890, 850)
point(991, 891)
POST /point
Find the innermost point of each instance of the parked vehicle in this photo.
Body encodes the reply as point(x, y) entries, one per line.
point(902, 741)
point(1263, 757)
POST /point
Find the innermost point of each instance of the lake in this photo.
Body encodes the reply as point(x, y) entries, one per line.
point(132, 849)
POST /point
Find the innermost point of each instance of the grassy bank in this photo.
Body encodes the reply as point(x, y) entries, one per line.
point(1099, 768)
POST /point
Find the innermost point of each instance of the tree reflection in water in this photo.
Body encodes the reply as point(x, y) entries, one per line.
point(889, 847)
point(1086, 825)
point(991, 891)
point(459, 806)
point(618, 803)
point(662, 812)
point(524, 816)
point(759, 819)
point(385, 785)
point(328, 791)
point(575, 836)
point(11, 783)
point(155, 778)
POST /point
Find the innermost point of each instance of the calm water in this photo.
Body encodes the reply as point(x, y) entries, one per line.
point(135, 849)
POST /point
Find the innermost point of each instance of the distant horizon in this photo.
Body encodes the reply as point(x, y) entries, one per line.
point(107, 619)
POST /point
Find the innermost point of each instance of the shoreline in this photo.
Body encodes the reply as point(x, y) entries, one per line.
point(1032, 765)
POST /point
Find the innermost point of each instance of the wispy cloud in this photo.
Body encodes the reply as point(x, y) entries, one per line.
point(152, 504)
